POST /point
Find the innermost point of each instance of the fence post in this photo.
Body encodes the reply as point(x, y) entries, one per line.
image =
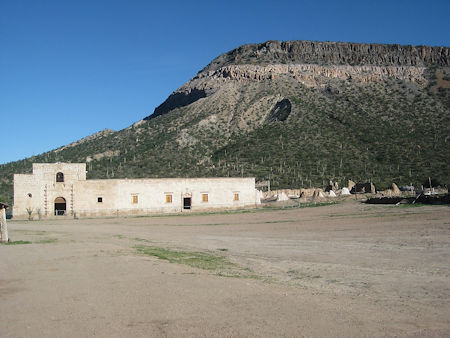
point(3, 226)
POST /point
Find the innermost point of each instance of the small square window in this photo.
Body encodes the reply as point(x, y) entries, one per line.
point(236, 196)
point(204, 197)
point(135, 199)
point(100, 199)
point(168, 198)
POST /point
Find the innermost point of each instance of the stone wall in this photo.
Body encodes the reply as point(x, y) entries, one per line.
point(117, 195)
point(37, 192)
point(124, 196)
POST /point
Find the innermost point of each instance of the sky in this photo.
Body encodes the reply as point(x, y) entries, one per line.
point(71, 68)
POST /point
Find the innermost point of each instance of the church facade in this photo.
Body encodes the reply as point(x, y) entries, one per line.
point(62, 190)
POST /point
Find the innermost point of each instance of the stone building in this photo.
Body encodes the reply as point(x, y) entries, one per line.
point(61, 189)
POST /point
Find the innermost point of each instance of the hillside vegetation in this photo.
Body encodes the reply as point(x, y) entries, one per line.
point(272, 112)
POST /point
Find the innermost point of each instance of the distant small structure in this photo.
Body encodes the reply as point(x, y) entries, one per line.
point(409, 188)
point(395, 189)
point(363, 188)
point(260, 185)
point(345, 191)
point(318, 194)
point(332, 186)
point(350, 185)
point(282, 197)
point(3, 227)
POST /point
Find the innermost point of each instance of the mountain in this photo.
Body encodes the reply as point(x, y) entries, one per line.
point(297, 112)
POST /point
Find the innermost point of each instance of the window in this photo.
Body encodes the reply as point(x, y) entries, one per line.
point(100, 199)
point(236, 196)
point(135, 199)
point(204, 197)
point(168, 198)
point(59, 177)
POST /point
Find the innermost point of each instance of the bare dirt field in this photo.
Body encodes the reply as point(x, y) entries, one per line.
point(341, 270)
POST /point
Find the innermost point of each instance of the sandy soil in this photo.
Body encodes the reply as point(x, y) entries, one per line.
point(342, 270)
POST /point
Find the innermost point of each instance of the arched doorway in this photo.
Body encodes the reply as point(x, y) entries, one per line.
point(60, 206)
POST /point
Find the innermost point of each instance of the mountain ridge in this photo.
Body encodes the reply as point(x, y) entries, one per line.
point(304, 53)
point(266, 110)
point(335, 53)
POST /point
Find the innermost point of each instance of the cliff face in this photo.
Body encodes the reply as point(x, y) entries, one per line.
point(310, 63)
point(308, 74)
point(333, 53)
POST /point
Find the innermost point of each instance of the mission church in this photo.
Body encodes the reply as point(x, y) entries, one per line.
point(61, 189)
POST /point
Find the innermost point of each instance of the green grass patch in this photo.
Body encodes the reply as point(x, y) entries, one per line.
point(238, 275)
point(217, 265)
point(31, 232)
point(16, 242)
point(42, 241)
point(199, 260)
point(314, 205)
point(280, 221)
point(219, 212)
point(295, 274)
point(195, 224)
point(142, 240)
point(47, 240)
point(299, 205)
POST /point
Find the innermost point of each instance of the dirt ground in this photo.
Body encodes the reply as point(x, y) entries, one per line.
point(348, 269)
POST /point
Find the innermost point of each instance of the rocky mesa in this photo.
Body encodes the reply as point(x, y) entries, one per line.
point(299, 113)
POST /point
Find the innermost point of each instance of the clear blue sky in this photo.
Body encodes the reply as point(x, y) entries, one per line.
point(71, 68)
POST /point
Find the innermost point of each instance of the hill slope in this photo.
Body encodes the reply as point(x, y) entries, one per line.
point(298, 112)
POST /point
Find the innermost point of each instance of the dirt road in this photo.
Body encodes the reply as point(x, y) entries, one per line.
point(343, 270)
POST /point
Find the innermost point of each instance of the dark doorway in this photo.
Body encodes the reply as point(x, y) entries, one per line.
point(186, 203)
point(60, 206)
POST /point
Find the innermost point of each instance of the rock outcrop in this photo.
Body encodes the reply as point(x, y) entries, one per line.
point(333, 53)
point(395, 189)
point(309, 63)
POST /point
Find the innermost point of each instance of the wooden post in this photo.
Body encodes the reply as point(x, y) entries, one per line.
point(3, 228)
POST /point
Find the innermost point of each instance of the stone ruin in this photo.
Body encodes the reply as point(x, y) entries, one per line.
point(363, 188)
point(332, 186)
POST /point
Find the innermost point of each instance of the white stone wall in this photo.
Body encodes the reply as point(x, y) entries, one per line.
point(116, 195)
point(38, 191)
point(28, 194)
point(46, 172)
